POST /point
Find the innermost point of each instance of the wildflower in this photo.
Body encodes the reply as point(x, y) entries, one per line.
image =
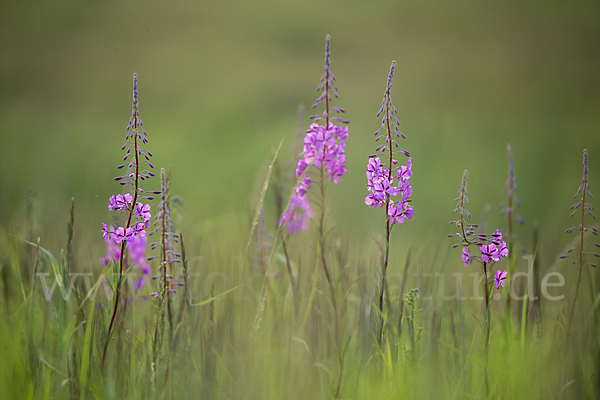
point(399, 212)
point(299, 212)
point(138, 214)
point(381, 187)
point(499, 279)
point(385, 181)
point(582, 206)
point(143, 212)
point(491, 246)
point(380, 177)
point(136, 252)
point(324, 147)
point(120, 202)
point(167, 240)
point(488, 252)
point(466, 256)
point(503, 250)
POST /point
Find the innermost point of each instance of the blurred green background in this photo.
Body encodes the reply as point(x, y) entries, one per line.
point(220, 82)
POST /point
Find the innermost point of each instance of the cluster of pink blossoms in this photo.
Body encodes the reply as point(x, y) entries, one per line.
point(380, 185)
point(299, 213)
point(137, 257)
point(324, 146)
point(494, 250)
point(134, 236)
point(137, 228)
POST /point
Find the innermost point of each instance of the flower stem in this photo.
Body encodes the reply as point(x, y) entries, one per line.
point(487, 306)
point(487, 327)
point(124, 242)
point(388, 227)
point(581, 229)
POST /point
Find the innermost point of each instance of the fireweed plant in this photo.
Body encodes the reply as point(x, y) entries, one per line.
point(385, 180)
point(508, 208)
point(491, 249)
point(137, 213)
point(583, 206)
point(168, 256)
point(324, 150)
point(136, 257)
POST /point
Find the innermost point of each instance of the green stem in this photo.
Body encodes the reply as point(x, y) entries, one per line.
point(582, 230)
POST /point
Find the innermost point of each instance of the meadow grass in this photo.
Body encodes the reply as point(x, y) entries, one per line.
point(249, 342)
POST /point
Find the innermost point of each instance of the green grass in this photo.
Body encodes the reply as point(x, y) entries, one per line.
point(241, 337)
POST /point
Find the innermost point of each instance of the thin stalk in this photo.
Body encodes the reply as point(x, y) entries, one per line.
point(487, 306)
point(388, 227)
point(165, 282)
point(581, 229)
point(124, 242)
point(169, 260)
point(323, 250)
point(509, 213)
point(487, 328)
point(293, 282)
point(322, 216)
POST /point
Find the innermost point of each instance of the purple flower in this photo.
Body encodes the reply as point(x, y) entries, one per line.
point(399, 212)
point(500, 278)
point(497, 236)
point(113, 252)
point(107, 232)
point(143, 212)
point(120, 202)
point(299, 212)
point(380, 177)
point(137, 254)
point(138, 230)
point(466, 256)
point(302, 165)
point(381, 189)
point(138, 216)
point(488, 252)
point(324, 147)
point(405, 171)
point(375, 171)
point(503, 250)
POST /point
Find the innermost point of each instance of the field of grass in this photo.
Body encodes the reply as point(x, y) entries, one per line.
point(326, 312)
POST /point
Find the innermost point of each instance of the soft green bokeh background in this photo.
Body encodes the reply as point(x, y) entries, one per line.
point(220, 81)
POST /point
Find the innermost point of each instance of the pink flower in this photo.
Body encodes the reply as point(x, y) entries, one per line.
point(500, 278)
point(324, 147)
point(466, 256)
point(300, 212)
